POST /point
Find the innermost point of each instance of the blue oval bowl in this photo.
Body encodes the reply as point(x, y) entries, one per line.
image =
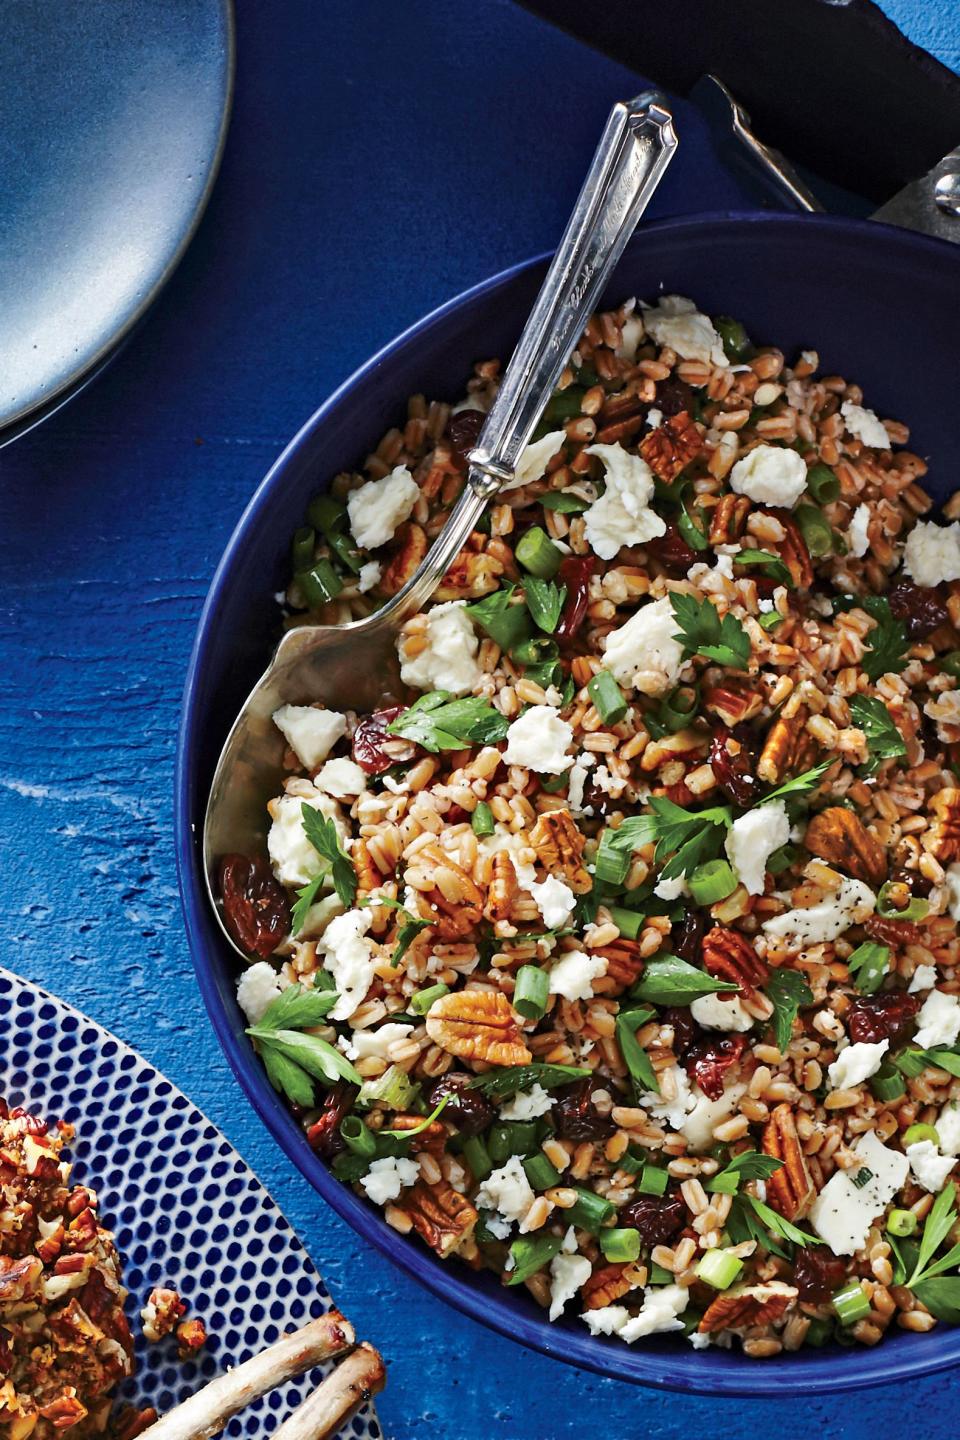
point(880, 306)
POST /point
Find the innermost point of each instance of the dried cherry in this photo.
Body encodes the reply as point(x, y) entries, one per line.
point(659, 1218)
point(916, 883)
point(369, 739)
point(674, 395)
point(817, 1273)
point(686, 938)
point(707, 1062)
point(463, 431)
point(735, 774)
point(887, 1016)
point(685, 1028)
point(922, 608)
point(671, 550)
point(576, 1117)
point(324, 1134)
point(575, 572)
point(469, 1110)
point(255, 908)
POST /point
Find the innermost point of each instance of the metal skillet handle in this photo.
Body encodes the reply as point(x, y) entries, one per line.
point(635, 149)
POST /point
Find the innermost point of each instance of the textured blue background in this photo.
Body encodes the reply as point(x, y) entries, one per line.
point(382, 157)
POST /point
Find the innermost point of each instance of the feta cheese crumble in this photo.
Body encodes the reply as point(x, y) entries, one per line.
point(341, 778)
point(864, 425)
point(527, 1104)
point(857, 1063)
point(378, 508)
point(676, 322)
point(555, 901)
point(671, 889)
point(924, 978)
point(294, 859)
point(448, 661)
point(843, 1212)
point(538, 740)
point(721, 1012)
point(819, 924)
point(387, 1177)
point(311, 734)
point(707, 1114)
point(622, 515)
point(257, 989)
point(771, 475)
point(857, 538)
point(932, 553)
point(948, 1128)
point(369, 576)
point(929, 1167)
point(644, 652)
point(938, 1022)
point(506, 1192)
point(752, 839)
point(350, 958)
point(662, 1305)
point(535, 459)
point(574, 973)
point(567, 1274)
point(366, 1044)
point(675, 1100)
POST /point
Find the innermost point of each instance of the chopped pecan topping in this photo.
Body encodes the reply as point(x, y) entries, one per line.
point(792, 549)
point(559, 846)
point(729, 955)
point(191, 1337)
point(789, 1189)
point(503, 888)
point(470, 576)
point(413, 546)
point(840, 837)
point(605, 1287)
point(19, 1278)
point(751, 1305)
point(624, 967)
point(452, 918)
point(432, 1138)
point(440, 1215)
point(788, 749)
point(946, 825)
point(734, 701)
point(478, 1025)
point(728, 519)
point(671, 447)
point(65, 1411)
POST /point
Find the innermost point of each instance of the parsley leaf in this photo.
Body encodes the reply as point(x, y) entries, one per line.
point(544, 601)
point(689, 836)
point(408, 931)
point(322, 834)
point(668, 980)
point(884, 740)
point(748, 1165)
point(939, 1223)
point(292, 1059)
point(702, 632)
point(800, 784)
point(504, 622)
point(888, 640)
point(635, 1057)
point(743, 1224)
point(770, 565)
point(436, 722)
point(868, 965)
point(298, 1008)
point(784, 1228)
point(788, 990)
point(564, 502)
point(941, 1297)
point(498, 1084)
point(306, 896)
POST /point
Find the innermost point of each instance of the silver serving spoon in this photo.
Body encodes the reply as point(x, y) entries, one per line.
point(355, 666)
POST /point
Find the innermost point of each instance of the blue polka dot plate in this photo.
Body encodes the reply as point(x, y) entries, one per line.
point(185, 1209)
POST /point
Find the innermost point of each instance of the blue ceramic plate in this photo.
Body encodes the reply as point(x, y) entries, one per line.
point(112, 122)
point(185, 1209)
point(880, 305)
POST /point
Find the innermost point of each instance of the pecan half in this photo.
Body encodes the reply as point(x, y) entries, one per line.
point(671, 447)
point(752, 1305)
point(470, 576)
point(729, 518)
point(840, 837)
point(559, 846)
point(729, 955)
point(789, 1189)
point(503, 888)
point(456, 903)
point(368, 875)
point(19, 1278)
point(442, 1217)
point(478, 1025)
point(792, 549)
point(433, 1138)
point(624, 967)
point(605, 1287)
point(65, 1411)
point(945, 838)
point(734, 701)
point(404, 561)
point(788, 749)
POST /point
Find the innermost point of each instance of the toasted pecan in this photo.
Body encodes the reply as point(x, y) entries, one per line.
point(441, 1216)
point(478, 1025)
point(559, 846)
point(730, 956)
point(840, 837)
point(748, 1306)
point(789, 1189)
point(672, 446)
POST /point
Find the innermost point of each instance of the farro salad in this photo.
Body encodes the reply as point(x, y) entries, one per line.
point(618, 955)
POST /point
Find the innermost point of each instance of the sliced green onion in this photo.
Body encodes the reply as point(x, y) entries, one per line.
point(901, 1223)
point(393, 1089)
point(541, 1173)
point(536, 552)
point(611, 864)
point(863, 1177)
point(690, 531)
point(823, 484)
point(815, 529)
point(769, 620)
point(718, 1268)
point(734, 338)
point(511, 1137)
point(628, 922)
point(531, 992)
point(536, 650)
point(916, 910)
point(653, 1180)
point(851, 1304)
point(563, 502)
point(679, 707)
point(950, 662)
point(346, 551)
point(590, 1212)
point(476, 1155)
point(421, 1001)
point(304, 544)
point(888, 1083)
point(620, 1245)
point(327, 514)
point(782, 859)
point(357, 1136)
point(915, 1133)
point(530, 1254)
point(608, 697)
point(320, 584)
point(712, 881)
point(481, 821)
point(660, 1276)
point(818, 1333)
point(563, 405)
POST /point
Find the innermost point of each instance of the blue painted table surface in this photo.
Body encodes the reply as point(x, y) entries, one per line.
point(382, 157)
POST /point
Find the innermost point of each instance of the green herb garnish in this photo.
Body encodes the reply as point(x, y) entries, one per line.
point(635, 1057)
point(668, 980)
point(770, 565)
point(293, 1060)
point(438, 722)
point(788, 990)
point(748, 1165)
point(689, 836)
point(545, 602)
point(888, 640)
point(702, 632)
point(322, 834)
point(868, 965)
point(498, 1084)
point(884, 740)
